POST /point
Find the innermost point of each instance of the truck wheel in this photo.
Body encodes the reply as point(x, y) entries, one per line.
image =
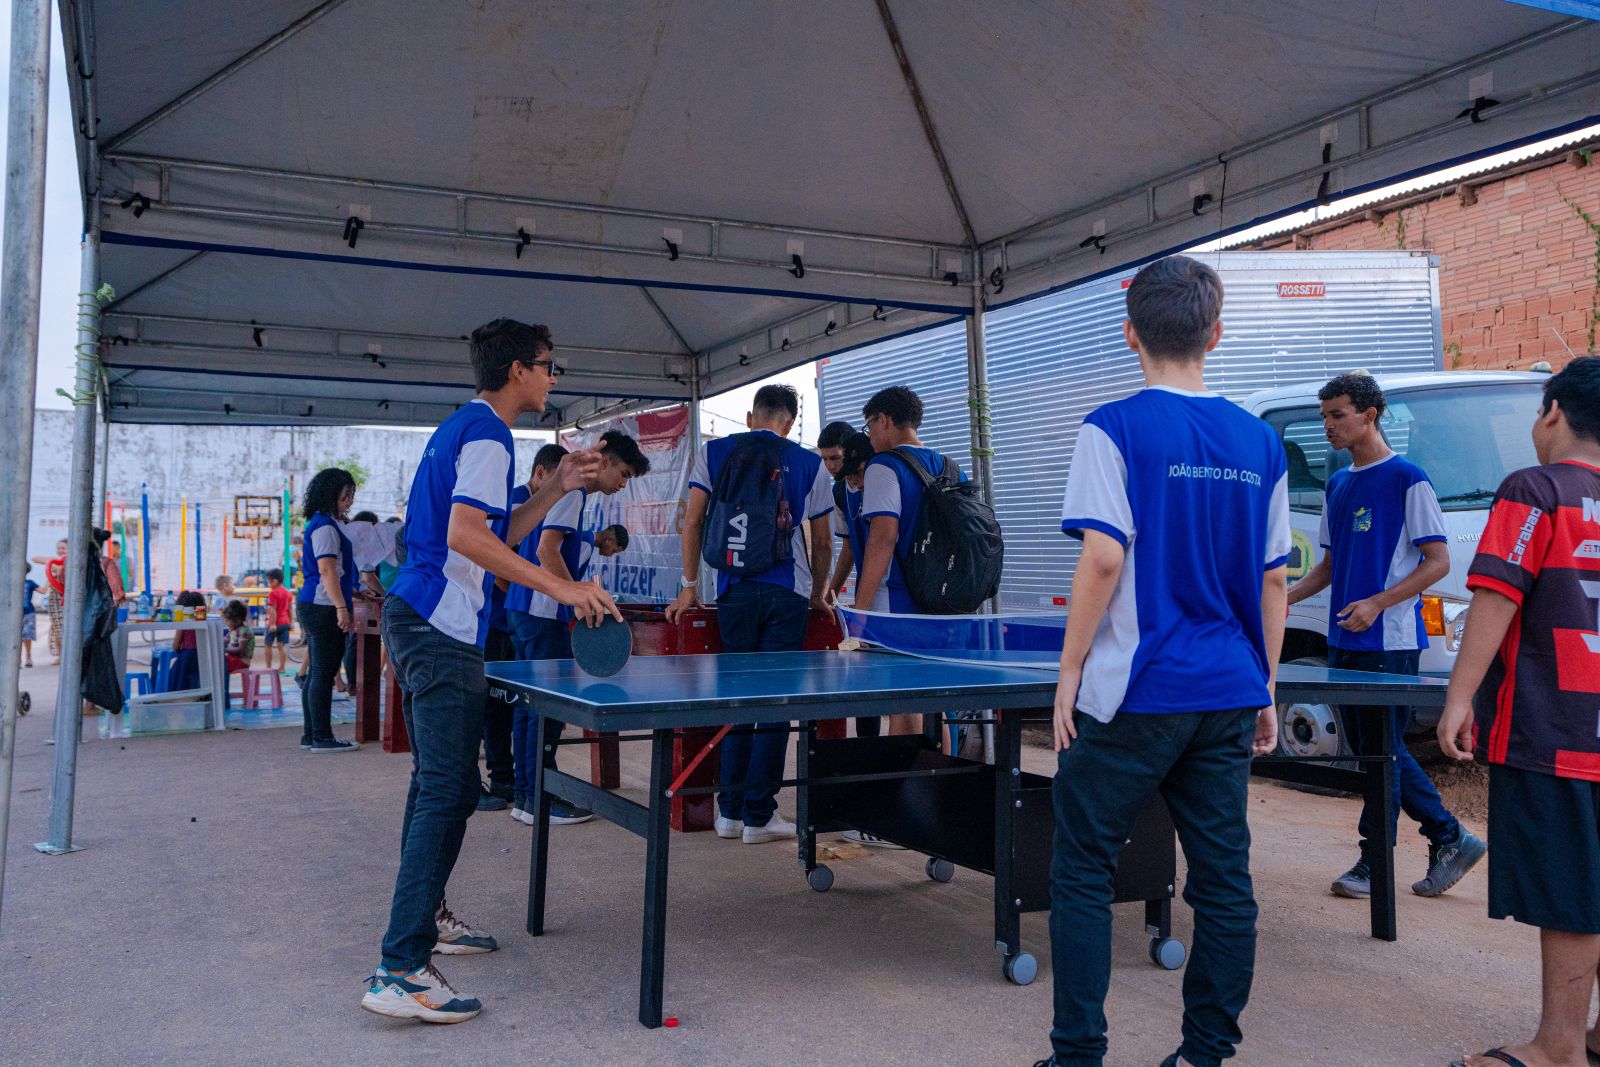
point(1306, 729)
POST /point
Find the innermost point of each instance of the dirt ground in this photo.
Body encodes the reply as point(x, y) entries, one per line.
point(232, 892)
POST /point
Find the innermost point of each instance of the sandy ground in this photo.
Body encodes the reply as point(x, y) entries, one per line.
point(232, 893)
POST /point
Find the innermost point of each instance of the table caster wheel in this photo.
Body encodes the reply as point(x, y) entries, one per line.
point(939, 870)
point(24, 703)
point(820, 878)
point(1021, 968)
point(1167, 952)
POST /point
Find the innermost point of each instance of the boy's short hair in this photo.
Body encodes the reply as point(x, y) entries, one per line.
point(189, 598)
point(235, 609)
point(835, 434)
point(903, 407)
point(365, 516)
point(776, 401)
point(1362, 389)
point(275, 575)
point(548, 458)
point(1173, 304)
point(498, 344)
point(624, 449)
point(858, 452)
point(1577, 390)
point(620, 532)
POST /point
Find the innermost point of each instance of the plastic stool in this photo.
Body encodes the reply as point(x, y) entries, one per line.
point(255, 686)
point(135, 680)
point(161, 669)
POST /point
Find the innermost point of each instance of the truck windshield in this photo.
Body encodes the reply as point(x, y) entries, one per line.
point(1467, 438)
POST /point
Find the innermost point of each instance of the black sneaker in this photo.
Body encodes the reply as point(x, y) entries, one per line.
point(333, 744)
point(1448, 864)
point(489, 802)
point(305, 742)
point(1355, 883)
point(565, 814)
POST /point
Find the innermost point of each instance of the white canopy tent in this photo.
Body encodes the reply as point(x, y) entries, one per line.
point(304, 206)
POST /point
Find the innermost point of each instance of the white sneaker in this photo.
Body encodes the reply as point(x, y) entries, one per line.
point(456, 938)
point(422, 994)
point(729, 828)
point(777, 829)
point(870, 840)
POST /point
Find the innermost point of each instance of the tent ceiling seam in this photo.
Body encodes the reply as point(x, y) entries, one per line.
point(143, 287)
point(1359, 108)
point(688, 349)
point(216, 78)
point(929, 131)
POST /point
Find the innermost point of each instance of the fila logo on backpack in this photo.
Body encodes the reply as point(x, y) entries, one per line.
point(748, 522)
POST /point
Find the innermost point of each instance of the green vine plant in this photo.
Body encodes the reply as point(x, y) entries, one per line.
point(1400, 229)
point(87, 362)
point(1453, 350)
point(1594, 294)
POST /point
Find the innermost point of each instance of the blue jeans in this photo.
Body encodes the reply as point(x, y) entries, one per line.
point(1200, 763)
point(444, 689)
point(756, 617)
point(533, 638)
point(1414, 792)
point(325, 644)
point(499, 756)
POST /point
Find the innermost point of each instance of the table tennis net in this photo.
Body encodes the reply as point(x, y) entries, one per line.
point(1017, 640)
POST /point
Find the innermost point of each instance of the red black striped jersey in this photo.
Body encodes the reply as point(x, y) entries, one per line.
point(1538, 708)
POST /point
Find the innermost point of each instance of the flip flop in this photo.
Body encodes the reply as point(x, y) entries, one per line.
point(1495, 1054)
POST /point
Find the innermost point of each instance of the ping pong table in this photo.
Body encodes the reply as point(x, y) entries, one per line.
point(996, 819)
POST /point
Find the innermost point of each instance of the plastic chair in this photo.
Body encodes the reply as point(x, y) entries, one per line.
point(161, 669)
point(136, 680)
point(255, 690)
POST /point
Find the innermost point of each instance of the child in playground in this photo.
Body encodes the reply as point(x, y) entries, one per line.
point(30, 615)
point(280, 605)
point(239, 643)
point(186, 664)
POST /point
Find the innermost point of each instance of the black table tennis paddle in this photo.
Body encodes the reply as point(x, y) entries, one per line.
point(602, 650)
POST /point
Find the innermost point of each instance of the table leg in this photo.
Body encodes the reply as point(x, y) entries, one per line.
point(1379, 783)
point(369, 685)
point(539, 856)
point(802, 797)
point(652, 961)
point(1007, 783)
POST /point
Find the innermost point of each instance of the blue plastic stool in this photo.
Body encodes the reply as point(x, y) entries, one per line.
point(139, 680)
point(161, 669)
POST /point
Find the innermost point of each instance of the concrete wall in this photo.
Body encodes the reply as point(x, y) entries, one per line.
point(1517, 281)
point(210, 465)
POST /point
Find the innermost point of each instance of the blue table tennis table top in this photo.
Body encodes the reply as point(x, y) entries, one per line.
point(652, 692)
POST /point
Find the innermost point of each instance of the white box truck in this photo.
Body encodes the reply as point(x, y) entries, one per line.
point(1292, 321)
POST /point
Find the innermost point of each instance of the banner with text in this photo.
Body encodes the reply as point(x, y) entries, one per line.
point(650, 508)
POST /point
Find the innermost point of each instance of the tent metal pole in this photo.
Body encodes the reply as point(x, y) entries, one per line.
point(978, 427)
point(80, 489)
point(28, 102)
point(103, 432)
point(694, 450)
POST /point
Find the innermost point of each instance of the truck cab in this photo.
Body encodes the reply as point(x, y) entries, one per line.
point(1467, 430)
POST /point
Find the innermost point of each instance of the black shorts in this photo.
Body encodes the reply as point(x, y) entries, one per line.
point(1544, 843)
point(278, 635)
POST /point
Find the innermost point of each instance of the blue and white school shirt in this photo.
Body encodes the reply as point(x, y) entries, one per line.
point(889, 488)
point(806, 488)
point(497, 596)
point(1374, 521)
point(848, 526)
point(324, 540)
point(467, 461)
point(1195, 489)
point(566, 516)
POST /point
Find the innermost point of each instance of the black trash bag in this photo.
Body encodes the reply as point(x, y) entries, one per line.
point(101, 684)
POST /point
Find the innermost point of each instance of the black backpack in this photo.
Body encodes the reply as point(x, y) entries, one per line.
point(748, 523)
point(954, 562)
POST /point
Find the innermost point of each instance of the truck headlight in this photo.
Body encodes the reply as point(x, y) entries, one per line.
point(1455, 624)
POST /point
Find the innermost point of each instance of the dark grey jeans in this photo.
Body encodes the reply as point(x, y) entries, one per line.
point(444, 688)
point(1200, 762)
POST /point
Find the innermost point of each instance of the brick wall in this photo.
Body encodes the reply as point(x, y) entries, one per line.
point(1516, 262)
